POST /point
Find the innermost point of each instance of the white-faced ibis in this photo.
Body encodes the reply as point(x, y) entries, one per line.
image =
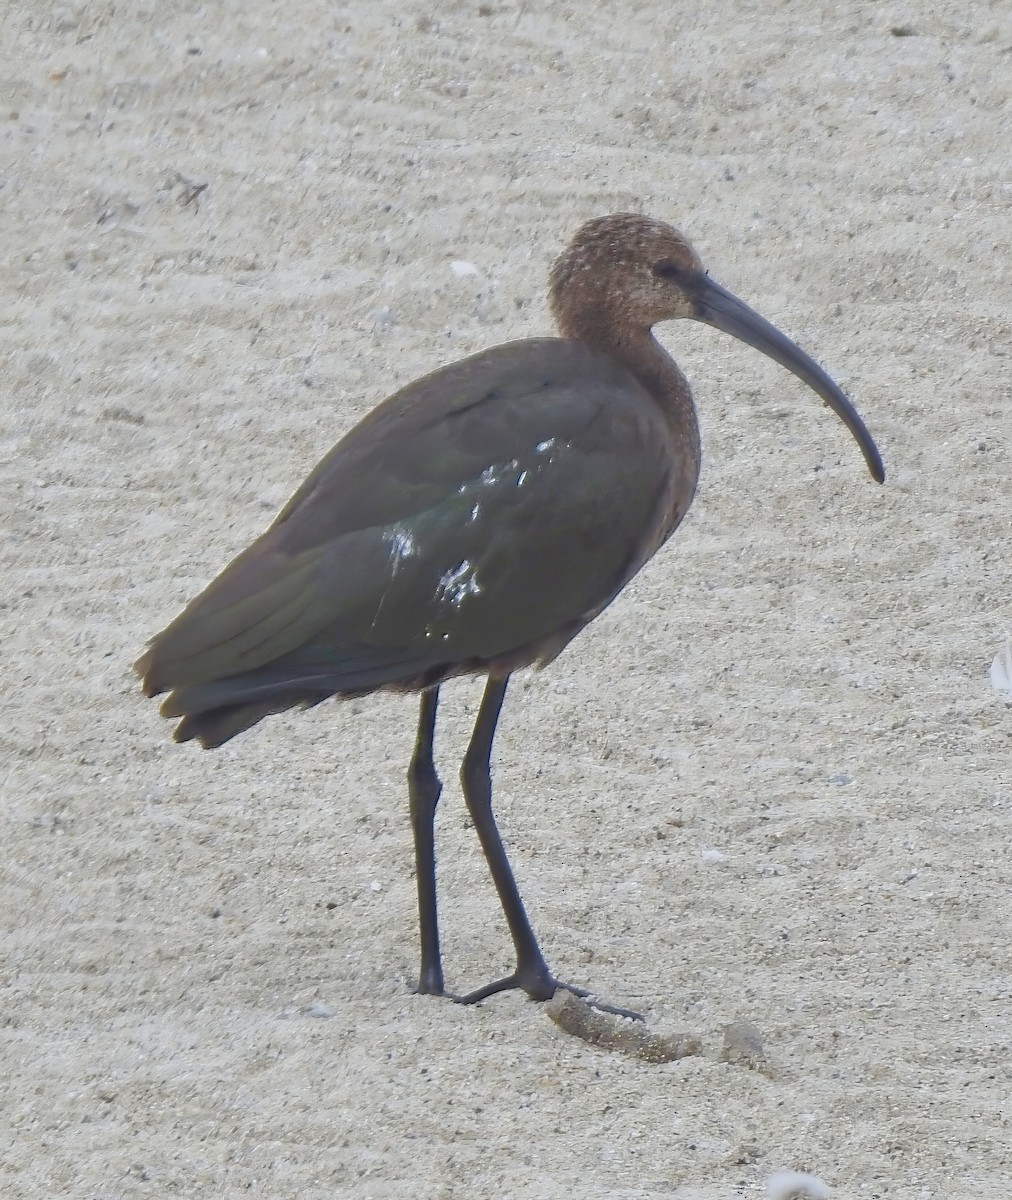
point(475, 522)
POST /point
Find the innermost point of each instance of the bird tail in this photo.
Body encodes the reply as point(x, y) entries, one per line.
point(214, 728)
point(215, 711)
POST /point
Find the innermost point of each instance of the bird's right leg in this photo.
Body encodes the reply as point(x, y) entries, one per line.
point(423, 796)
point(532, 974)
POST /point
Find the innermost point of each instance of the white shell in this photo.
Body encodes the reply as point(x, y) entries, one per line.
point(1001, 671)
point(782, 1185)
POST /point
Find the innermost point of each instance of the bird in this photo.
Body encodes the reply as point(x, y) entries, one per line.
point(474, 523)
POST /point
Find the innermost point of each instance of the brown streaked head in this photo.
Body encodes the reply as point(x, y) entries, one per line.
point(614, 270)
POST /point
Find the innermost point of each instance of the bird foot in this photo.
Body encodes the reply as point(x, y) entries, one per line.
point(629, 1013)
point(542, 985)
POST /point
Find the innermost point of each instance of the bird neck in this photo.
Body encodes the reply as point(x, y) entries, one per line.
point(641, 354)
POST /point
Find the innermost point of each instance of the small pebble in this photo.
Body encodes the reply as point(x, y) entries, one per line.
point(743, 1046)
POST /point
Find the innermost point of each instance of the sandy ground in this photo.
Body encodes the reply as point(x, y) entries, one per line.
point(771, 784)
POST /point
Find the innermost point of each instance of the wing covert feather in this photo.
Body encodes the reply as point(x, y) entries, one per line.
point(475, 511)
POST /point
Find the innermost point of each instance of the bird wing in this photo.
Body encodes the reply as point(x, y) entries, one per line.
point(476, 511)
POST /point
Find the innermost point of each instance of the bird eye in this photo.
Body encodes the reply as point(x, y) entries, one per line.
point(666, 269)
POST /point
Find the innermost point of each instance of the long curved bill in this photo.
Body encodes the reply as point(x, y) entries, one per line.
point(716, 306)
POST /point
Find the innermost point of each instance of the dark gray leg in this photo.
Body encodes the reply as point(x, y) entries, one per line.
point(423, 796)
point(532, 974)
